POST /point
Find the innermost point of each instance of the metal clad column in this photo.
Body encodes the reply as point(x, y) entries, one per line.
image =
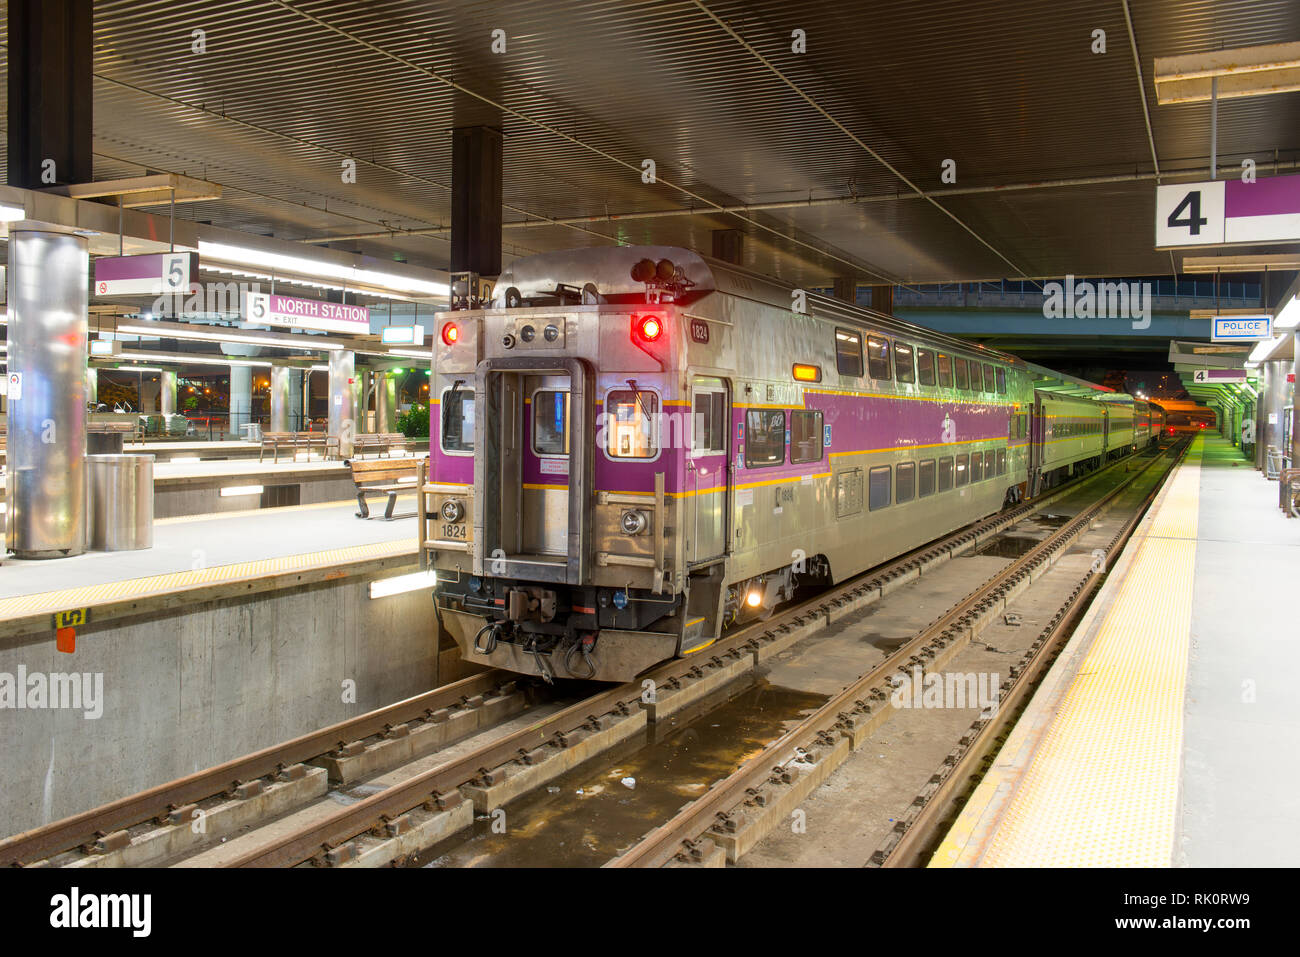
point(385, 402)
point(280, 392)
point(48, 298)
point(92, 385)
point(343, 400)
point(167, 394)
point(241, 399)
point(297, 422)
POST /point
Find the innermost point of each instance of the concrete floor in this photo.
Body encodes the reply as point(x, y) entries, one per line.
point(1241, 780)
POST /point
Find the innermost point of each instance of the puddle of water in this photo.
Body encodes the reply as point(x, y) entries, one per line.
point(1052, 521)
point(886, 643)
point(1008, 546)
point(588, 815)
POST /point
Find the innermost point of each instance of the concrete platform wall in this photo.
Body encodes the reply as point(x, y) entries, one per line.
point(184, 691)
point(174, 496)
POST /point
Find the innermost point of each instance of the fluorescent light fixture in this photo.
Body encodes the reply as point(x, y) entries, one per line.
point(411, 353)
point(403, 335)
point(199, 360)
point(352, 275)
point(232, 490)
point(184, 458)
point(416, 581)
point(1289, 317)
point(284, 342)
point(1262, 349)
point(11, 214)
point(1245, 71)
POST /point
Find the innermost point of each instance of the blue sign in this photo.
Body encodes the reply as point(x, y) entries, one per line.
point(826, 437)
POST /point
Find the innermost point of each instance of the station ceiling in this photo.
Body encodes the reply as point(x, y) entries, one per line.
point(856, 128)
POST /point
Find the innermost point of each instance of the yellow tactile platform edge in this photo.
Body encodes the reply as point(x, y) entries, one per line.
point(1101, 789)
point(88, 596)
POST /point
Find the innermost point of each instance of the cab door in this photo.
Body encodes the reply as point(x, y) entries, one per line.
point(708, 480)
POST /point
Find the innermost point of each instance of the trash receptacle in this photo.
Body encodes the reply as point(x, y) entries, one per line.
point(121, 502)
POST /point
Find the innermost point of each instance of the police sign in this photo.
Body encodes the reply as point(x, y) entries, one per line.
point(1242, 328)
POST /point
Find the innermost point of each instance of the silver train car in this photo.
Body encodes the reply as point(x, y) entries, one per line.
point(633, 448)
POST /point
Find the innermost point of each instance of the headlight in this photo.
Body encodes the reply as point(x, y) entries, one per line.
point(452, 511)
point(634, 521)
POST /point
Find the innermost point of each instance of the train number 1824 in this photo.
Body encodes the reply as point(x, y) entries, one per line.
point(453, 531)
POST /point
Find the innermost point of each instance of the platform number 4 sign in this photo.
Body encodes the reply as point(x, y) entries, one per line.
point(1189, 214)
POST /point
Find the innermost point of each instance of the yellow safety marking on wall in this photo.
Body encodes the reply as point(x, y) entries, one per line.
point(1102, 787)
point(134, 588)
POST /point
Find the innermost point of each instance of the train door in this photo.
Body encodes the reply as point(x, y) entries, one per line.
point(533, 470)
point(707, 477)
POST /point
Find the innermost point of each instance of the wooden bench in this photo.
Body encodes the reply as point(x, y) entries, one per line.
point(391, 478)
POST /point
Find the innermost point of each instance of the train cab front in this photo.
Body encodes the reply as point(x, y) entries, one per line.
point(513, 520)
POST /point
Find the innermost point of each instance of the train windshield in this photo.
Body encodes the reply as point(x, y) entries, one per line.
point(630, 424)
point(458, 420)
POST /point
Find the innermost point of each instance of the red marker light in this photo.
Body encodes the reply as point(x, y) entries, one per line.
point(450, 333)
point(651, 328)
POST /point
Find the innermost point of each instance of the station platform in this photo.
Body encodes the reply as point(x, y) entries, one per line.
point(1164, 735)
point(206, 556)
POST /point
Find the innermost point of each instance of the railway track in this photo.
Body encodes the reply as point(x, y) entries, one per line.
point(854, 712)
point(514, 762)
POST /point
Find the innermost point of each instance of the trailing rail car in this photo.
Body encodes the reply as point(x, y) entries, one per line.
point(634, 448)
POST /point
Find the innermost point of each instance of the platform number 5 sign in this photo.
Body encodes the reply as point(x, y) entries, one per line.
point(1189, 214)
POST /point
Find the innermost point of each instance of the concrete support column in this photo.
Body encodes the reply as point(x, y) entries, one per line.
point(48, 302)
point(241, 399)
point(167, 394)
point(280, 393)
point(343, 399)
point(50, 92)
point(385, 402)
point(846, 289)
point(476, 153)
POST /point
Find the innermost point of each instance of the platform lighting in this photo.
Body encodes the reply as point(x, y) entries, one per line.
point(284, 342)
point(410, 353)
point(1263, 348)
point(231, 491)
point(1289, 317)
point(11, 214)
point(197, 360)
point(352, 275)
point(400, 584)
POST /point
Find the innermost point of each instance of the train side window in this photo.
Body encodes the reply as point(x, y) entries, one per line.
point(709, 419)
point(551, 423)
point(963, 470)
point(905, 483)
point(945, 473)
point(976, 467)
point(805, 437)
point(925, 367)
point(457, 429)
point(925, 479)
point(848, 352)
point(989, 384)
point(904, 364)
point(878, 483)
point(1002, 382)
point(1002, 461)
point(629, 423)
point(764, 438)
point(961, 374)
point(878, 358)
point(945, 371)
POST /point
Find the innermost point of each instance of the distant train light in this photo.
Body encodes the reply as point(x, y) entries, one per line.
point(807, 373)
point(649, 328)
point(450, 333)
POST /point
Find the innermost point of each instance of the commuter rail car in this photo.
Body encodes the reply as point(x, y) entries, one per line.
point(634, 447)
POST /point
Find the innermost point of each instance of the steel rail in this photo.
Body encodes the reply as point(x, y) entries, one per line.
point(80, 829)
point(665, 842)
point(917, 836)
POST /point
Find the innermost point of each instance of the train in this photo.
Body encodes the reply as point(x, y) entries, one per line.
point(633, 449)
